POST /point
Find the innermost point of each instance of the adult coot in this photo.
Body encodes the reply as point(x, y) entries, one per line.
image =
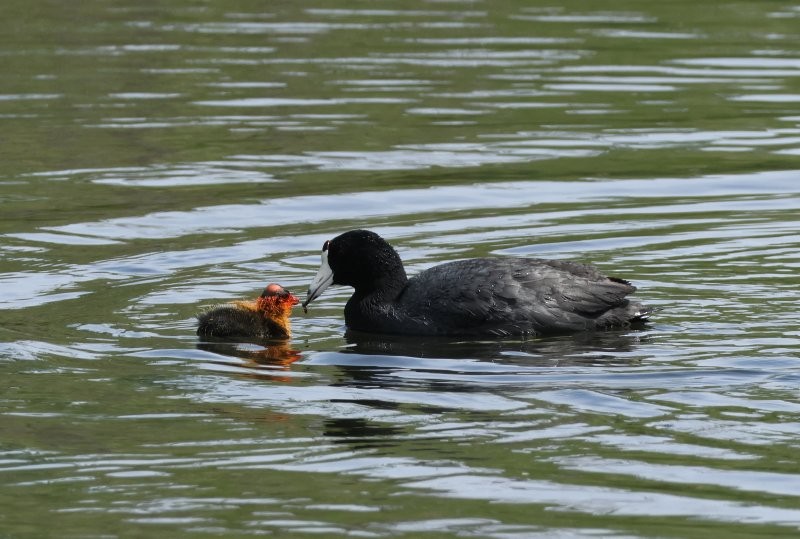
point(267, 317)
point(479, 296)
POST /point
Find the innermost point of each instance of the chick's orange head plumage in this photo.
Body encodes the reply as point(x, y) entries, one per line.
point(276, 300)
point(265, 317)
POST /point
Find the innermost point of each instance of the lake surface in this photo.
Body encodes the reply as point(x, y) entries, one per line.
point(162, 157)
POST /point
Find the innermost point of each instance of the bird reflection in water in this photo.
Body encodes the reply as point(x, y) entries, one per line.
point(605, 348)
point(264, 363)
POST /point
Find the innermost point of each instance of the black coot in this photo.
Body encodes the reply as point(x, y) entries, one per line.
point(479, 296)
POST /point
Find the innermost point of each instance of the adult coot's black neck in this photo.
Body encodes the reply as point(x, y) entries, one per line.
point(363, 260)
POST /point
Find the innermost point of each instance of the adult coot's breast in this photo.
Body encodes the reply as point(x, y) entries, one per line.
point(480, 296)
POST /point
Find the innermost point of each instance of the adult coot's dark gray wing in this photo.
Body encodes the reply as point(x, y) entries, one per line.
point(504, 296)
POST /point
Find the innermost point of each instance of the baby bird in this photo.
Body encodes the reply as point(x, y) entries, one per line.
point(266, 317)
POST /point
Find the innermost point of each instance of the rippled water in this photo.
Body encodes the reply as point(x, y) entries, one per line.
point(158, 158)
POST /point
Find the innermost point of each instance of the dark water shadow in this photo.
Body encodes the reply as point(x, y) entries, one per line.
point(361, 433)
point(601, 348)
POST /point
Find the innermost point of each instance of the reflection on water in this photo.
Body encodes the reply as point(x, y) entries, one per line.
point(157, 160)
point(582, 349)
point(277, 354)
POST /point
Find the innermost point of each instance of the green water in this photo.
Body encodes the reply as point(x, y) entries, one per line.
point(161, 157)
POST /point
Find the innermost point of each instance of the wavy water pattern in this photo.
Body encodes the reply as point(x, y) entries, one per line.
point(161, 160)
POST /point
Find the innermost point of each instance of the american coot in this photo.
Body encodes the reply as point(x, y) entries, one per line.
point(479, 296)
point(267, 317)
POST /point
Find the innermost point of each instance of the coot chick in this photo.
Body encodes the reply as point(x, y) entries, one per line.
point(474, 297)
point(266, 317)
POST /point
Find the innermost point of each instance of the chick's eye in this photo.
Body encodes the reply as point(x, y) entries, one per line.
point(326, 245)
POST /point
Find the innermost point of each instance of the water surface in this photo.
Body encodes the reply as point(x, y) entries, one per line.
point(159, 159)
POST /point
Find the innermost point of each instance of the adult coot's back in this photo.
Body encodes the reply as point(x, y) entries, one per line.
point(480, 296)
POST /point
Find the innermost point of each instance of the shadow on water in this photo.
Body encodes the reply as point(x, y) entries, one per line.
point(601, 348)
point(360, 433)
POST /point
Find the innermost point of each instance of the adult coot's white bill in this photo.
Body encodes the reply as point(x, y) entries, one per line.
point(479, 296)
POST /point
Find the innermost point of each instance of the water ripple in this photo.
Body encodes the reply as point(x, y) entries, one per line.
point(160, 162)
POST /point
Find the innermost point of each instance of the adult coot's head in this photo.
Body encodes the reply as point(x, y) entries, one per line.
point(358, 258)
